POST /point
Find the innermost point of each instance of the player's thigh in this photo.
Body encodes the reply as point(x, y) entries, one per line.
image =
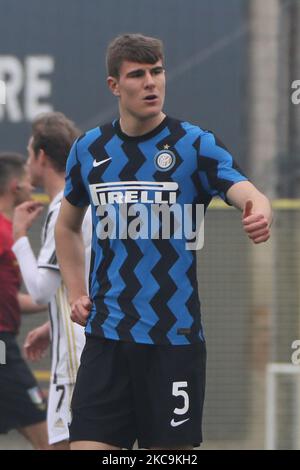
point(169, 384)
point(63, 445)
point(92, 445)
point(102, 402)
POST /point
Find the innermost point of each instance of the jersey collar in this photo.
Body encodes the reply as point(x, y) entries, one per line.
point(140, 138)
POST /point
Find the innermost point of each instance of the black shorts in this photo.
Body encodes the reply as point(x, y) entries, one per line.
point(126, 392)
point(21, 400)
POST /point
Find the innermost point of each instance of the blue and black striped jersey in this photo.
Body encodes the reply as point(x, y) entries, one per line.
point(144, 289)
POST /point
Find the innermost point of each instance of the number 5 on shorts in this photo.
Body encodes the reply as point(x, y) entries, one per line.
point(178, 392)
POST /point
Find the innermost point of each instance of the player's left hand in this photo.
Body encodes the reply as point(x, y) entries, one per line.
point(80, 310)
point(24, 216)
point(36, 343)
point(255, 224)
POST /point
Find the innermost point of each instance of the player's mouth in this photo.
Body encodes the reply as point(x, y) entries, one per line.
point(151, 98)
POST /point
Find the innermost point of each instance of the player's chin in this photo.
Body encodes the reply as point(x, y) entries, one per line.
point(149, 115)
point(151, 111)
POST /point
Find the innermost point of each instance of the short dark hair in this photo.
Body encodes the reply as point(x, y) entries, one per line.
point(54, 133)
point(12, 165)
point(134, 48)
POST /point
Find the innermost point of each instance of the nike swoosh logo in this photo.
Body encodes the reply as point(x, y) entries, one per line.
point(95, 163)
point(178, 423)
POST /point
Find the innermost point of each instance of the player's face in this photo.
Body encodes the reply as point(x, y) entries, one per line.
point(141, 89)
point(33, 164)
point(24, 188)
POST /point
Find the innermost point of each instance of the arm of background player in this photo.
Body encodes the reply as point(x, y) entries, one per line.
point(256, 207)
point(27, 305)
point(37, 342)
point(41, 283)
point(71, 258)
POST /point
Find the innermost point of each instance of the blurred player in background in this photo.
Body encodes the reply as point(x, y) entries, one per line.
point(22, 405)
point(48, 148)
point(142, 372)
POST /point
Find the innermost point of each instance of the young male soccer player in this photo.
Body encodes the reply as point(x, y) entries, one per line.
point(142, 372)
point(48, 148)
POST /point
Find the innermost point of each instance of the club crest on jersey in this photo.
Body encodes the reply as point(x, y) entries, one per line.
point(164, 160)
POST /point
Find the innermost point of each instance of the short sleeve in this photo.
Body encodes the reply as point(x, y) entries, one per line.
point(217, 169)
point(75, 190)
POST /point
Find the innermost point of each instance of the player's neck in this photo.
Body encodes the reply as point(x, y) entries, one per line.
point(54, 184)
point(136, 127)
point(7, 207)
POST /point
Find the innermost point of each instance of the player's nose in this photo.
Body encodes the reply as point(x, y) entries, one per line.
point(149, 80)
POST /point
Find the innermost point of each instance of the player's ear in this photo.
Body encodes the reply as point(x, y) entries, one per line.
point(13, 185)
point(42, 157)
point(113, 85)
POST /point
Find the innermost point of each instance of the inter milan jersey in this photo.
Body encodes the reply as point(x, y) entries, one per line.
point(143, 286)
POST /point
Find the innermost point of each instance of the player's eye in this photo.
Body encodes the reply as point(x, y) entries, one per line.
point(137, 73)
point(157, 71)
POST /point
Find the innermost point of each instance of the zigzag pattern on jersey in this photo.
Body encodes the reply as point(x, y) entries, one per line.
point(136, 159)
point(167, 288)
point(203, 196)
point(146, 290)
point(169, 256)
point(208, 166)
point(164, 256)
point(106, 254)
point(118, 266)
point(193, 304)
point(131, 289)
point(184, 268)
point(77, 193)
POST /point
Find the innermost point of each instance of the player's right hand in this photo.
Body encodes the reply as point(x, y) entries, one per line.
point(24, 216)
point(80, 310)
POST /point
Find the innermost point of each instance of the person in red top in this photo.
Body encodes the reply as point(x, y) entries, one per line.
point(10, 281)
point(22, 406)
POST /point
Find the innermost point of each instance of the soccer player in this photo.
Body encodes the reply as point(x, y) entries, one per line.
point(22, 405)
point(142, 371)
point(48, 148)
